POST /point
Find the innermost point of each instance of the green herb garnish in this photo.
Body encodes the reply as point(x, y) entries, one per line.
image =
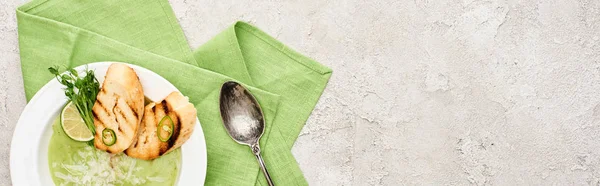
point(82, 91)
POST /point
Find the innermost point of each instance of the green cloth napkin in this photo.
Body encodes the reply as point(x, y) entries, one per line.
point(145, 33)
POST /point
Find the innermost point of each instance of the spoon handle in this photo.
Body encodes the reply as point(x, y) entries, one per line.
point(261, 162)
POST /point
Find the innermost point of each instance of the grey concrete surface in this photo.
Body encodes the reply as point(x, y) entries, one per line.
point(450, 92)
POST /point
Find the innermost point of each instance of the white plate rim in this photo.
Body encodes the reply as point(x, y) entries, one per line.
point(26, 142)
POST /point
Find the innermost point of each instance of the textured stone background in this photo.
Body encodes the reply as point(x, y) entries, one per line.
point(450, 92)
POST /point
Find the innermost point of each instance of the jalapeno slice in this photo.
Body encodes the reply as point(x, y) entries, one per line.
point(165, 128)
point(108, 137)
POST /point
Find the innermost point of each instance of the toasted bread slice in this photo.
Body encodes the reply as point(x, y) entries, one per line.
point(119, 106)
point(148, 146)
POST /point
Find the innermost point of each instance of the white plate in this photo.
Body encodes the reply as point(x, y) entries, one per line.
point(29, 147)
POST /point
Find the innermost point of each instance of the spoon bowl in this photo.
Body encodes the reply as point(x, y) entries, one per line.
point(241, 114)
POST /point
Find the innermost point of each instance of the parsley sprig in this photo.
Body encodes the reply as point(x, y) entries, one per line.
point(81, 90)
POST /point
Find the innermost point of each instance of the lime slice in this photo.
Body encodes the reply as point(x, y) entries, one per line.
point(73, 124)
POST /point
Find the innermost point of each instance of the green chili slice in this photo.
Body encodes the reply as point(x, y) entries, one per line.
point(164, 131)
point(108, 137)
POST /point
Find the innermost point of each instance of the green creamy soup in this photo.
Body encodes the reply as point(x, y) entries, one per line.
point(77, 163)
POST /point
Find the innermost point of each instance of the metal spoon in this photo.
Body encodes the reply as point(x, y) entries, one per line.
point(243, 119)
